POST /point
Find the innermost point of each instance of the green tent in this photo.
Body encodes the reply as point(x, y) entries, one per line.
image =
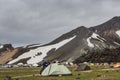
point(56, 70)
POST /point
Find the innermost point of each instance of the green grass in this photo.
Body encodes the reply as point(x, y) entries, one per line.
point(77, 75)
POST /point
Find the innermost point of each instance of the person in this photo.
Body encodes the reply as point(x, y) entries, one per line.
point(44, 64)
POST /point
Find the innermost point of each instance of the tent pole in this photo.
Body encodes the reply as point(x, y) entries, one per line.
point(49, 69)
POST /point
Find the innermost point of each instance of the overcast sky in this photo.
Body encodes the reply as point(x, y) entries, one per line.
point(25, 22)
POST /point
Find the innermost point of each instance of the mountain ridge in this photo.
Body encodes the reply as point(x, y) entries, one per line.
point(74, 44)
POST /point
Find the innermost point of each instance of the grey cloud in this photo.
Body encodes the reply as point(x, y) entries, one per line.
point(41, 21)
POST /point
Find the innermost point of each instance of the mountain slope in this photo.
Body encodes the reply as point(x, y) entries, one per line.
point(77, 45)
point(109, 29)
point(7, 56)
point(36, 55)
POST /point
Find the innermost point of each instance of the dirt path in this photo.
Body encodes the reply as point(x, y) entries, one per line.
point(112, 69)
point(25, 76)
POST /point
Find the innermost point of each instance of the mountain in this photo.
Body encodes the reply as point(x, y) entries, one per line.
point(95, 44)
point(109, 29)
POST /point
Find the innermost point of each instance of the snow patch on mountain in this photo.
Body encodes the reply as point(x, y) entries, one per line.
point(89, 43)
point(118, 33)
point(32, 53)
point(1, 46)
point(116, 43)
point(95, 36)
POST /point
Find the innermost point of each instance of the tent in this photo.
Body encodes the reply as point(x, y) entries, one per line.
point(82, 67)
point(56, 70)
point(116, 65)
point(91, 65)
point(35, 65)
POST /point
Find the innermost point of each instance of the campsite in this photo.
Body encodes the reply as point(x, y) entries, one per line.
point(32, 73)
point(59, 39)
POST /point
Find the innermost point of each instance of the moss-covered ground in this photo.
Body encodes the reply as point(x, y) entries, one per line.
point(33, 74)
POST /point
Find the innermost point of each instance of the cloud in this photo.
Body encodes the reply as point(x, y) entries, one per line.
point(41, 21)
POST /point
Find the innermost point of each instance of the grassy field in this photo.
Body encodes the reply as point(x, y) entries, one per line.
point(33, 74)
